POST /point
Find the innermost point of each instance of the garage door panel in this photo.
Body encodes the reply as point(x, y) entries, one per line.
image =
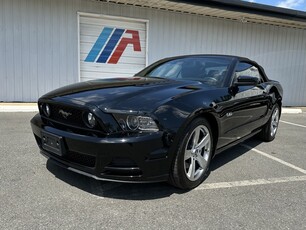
point(88, 28)
point(99, 75)
point(112, 68)
point(125, 60)
point(128, 22)
point(88, 45)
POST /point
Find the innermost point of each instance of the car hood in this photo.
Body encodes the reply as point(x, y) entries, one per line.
point(137, 93)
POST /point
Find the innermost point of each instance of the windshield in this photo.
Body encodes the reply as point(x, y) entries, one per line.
point(210, 70)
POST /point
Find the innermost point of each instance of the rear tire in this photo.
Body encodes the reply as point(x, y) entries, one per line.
point(269, 130)
point(191, 165)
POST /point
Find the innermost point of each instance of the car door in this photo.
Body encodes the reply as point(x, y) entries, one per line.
point(245, 107)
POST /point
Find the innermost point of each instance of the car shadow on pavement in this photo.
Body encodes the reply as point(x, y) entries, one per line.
point(117, 190)
point(130, 191)
point(232, 153)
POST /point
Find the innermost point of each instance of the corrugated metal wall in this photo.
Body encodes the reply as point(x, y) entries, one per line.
point(39, 46)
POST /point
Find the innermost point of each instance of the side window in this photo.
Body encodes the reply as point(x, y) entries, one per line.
point(247, 69)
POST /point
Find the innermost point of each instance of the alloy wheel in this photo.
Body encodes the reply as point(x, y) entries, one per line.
point(197, 153)
point(274, 121)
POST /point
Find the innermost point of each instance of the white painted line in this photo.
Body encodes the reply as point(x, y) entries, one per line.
point(290, 123)
point(275, 158)
point(250, 182)
point(291, 110)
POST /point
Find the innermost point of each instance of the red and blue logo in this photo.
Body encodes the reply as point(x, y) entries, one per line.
point(111, 44)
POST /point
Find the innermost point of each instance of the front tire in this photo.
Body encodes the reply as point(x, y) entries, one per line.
point(269, 130)
point(194, 154)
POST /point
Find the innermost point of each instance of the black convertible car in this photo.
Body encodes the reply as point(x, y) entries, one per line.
point(164, 124)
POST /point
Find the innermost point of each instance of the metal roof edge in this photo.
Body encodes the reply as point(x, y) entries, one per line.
point(249, 7)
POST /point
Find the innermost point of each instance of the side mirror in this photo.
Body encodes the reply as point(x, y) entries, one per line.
point(246, 80)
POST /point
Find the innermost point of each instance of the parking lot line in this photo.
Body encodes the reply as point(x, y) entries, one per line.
point(275, 158)
point(290, 123)
point(242, 183)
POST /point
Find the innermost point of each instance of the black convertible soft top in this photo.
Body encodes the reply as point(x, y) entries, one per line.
point(230, 57)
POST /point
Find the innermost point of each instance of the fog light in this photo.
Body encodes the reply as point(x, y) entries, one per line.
point(91, 120)
point(46, 109)
point(122, 124)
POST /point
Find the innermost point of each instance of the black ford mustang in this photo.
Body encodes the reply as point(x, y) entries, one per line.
point(164, 124)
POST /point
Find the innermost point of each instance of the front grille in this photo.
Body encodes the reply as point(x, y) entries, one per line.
point(77, 158)
point(122, 167)
point(74, 115)
point(82, 159)
point(73, 121)
point(122, 162)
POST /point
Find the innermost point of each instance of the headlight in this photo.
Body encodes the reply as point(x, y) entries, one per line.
point(133, 122)
point(147, 123)
point(91, 120)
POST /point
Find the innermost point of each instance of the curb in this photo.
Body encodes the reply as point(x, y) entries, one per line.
point(291, 110)
point(18, 107)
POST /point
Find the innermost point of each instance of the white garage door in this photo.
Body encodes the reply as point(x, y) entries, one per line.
point(111, 46)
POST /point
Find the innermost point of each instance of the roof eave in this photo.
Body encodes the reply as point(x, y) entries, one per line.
point(250, 7)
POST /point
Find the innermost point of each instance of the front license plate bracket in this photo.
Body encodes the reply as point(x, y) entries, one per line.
point(53, 143)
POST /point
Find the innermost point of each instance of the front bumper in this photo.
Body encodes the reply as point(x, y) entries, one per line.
point(140, 158)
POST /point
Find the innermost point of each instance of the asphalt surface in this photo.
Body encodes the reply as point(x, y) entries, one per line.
point(261, 188)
